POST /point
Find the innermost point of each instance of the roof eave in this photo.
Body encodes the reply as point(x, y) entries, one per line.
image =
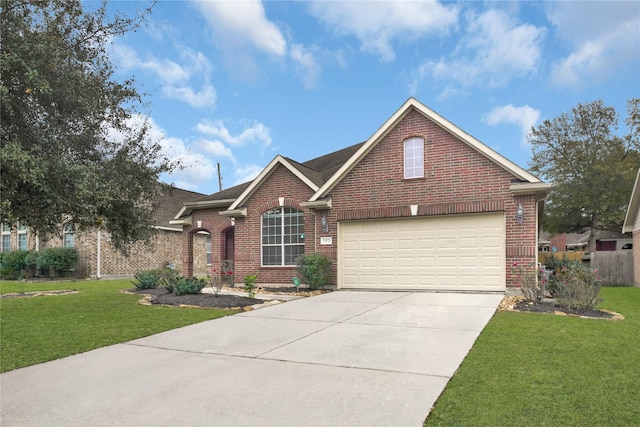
point(265, 173)
point(187, 220)
point(235, 213)
point(205, 204)
point(318, 204)
point(540, 189)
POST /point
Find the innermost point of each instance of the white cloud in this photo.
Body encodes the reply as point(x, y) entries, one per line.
point(246, 173)
point(495, 50)
point(167, 71)
point(376, 24)
point(604, 36)
point(307, 65)
point(237, 23)
point(175, 78)
point(215, 148)
point(257, 133)
point(525, 117)
point(206, 97)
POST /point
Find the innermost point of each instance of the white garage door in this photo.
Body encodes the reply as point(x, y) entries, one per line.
point(458, 252)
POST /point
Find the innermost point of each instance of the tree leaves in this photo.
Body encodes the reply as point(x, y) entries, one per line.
point(592, 169)
point(72, 145)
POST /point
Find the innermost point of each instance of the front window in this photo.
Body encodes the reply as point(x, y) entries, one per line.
point(22, 237)
point(208, 249)
point(6, 237)
point(68, 236)
point(414, 158)
point(282, 236)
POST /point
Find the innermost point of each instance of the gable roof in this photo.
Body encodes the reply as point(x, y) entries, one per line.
point(632, 209)
point(266, 172)
point(414, 104)
point(323, 173)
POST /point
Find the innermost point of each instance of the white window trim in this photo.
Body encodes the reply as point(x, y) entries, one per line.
point(22, 231)
point(282, 245)
point(207, 250)
point(5, 233)
point(65, 233)
point(415, 142)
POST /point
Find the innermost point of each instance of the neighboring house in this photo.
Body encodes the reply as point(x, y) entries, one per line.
point(632, 225)
point(419, 205)
point(605, 241)
point(96, 256)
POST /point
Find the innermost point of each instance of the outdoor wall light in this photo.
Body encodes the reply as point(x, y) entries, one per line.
point(325, 224)
point(520, 214)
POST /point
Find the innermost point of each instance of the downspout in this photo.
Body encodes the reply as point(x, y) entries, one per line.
point(98, 256)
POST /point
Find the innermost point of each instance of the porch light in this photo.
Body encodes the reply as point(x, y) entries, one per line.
point(325, 224)
point(520, 214)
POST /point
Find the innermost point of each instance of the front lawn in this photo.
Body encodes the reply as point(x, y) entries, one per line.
point(38, 329)
point(541, 370)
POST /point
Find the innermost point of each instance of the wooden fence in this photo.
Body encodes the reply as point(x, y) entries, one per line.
point(615, 267)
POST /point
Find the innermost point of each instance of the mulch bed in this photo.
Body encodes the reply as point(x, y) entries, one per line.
point(161, 296)
point(518, 303)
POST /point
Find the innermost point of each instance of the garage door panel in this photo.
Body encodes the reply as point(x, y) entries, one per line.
point(457, 252)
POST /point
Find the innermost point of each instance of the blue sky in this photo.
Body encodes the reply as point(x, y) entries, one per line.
point(237, 83)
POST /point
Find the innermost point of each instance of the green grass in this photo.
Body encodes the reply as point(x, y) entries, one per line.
point(39, 329)
point(541, 370)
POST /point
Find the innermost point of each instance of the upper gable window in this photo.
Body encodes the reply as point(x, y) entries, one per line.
point(414, 158)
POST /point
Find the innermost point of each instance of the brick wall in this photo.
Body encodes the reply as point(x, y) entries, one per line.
point(457, 180)
point(164, 249)
point(194, 261)
point(281, 183)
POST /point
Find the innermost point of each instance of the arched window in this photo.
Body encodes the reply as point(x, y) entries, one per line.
point(282, 236)
point(68, 236)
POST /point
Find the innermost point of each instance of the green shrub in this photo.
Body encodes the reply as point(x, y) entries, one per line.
point(57, 261)
point(31, 263)
point(532, 281)
point(554, 266)
point(250, 284)
point(315, 270)
point(185, 285)
point(12, 264)
point(579, 286)
point(147, 279)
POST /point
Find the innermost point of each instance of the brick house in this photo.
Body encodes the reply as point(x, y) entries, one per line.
point(96, 256)
point(632, 225)
point(419, 205)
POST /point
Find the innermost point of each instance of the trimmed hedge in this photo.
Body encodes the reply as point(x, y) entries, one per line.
point(55, 262)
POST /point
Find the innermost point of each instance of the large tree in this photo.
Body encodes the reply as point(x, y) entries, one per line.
point(73, 145)
point(592, 167)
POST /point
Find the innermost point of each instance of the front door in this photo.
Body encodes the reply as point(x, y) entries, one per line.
point(229, 244)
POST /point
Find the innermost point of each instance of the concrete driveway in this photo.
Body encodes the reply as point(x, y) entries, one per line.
point(339, 359)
